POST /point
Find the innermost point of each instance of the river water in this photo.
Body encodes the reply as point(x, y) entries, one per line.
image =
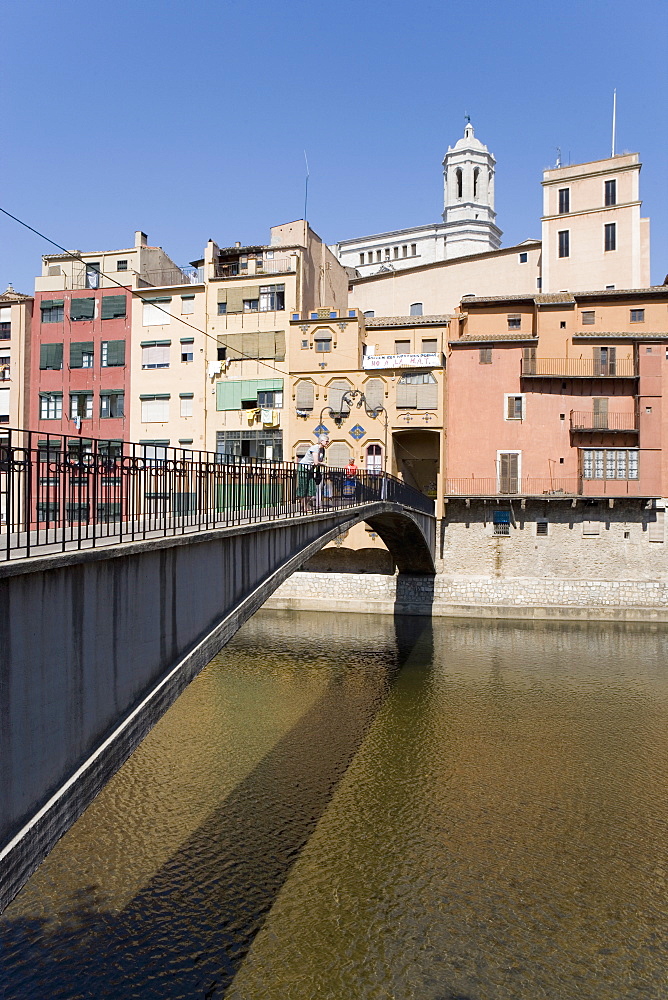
point(352, 807)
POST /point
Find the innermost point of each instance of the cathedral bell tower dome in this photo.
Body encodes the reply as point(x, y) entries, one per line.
point(468, 198)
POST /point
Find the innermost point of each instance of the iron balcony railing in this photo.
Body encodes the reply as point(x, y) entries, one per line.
point(171, 276)
point(59, 493)
point(575, 486)
point(233, 269)
point(589, 421)
point(578, 368)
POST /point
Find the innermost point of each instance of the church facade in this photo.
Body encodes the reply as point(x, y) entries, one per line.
point(468, 223)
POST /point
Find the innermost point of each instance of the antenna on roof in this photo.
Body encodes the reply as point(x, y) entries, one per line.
point(558, 163)
point(305, 186)
point(614, 119)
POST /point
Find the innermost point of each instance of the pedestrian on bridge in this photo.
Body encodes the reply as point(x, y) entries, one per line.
point(309, 474)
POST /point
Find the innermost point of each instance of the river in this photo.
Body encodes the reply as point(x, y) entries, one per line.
point(354, 807)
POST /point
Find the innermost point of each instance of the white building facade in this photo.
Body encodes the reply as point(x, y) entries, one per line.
point(468, 225)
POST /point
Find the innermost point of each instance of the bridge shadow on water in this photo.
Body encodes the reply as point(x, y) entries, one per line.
point(188, 930)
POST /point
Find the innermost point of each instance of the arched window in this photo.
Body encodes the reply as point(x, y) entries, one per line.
point(304, 395)
point(338, 455)
point(416, 309)
point(460, 183)
point(374, 459)
point(374, 390)
point(335, 391)
point(476, 178)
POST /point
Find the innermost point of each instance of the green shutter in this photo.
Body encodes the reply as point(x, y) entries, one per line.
point(113, 306)
point(115, 353)
point(228, 395)
point(77, 349)
point(82, 309)
point(51, 356)
point(51, 303)
point(270, 385)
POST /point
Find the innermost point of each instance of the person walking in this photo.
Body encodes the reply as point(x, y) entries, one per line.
point(309, 473)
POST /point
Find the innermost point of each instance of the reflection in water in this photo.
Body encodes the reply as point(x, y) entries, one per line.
point(487, 823)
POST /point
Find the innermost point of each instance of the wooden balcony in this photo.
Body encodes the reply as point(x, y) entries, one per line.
point(578, 368)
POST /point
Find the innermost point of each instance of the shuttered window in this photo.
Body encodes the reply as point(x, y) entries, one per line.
point(113, 306)
point(186, 404)
point(156, 312)
point(81, 354)
point(304, 395)
point(154, 409)
point(417, 391)
point(82, 309)
point(605, 360)
point(374, 390)
point(528, 360)
point(231, 395)
point(338, 454)
point(600, 412)
point(509, 472)
point(51, 356)
point(514, 407)
point(335, 391)
point(52, 310)
point(485, 357)
point(236, 295)
point(155, 354)
point(113, 353)
point(268, 345)
point(4, 405)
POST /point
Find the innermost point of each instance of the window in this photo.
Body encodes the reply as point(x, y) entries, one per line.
point(82, 354)
point(113, 307)
point(186, 399)
point(514, 322)
point(108, 511)
point(564, 201)
point(156, 312)
point(244, 395)
point(413, 249)
point(362, 258)
point(266, 444)
point(416, 309)
point(611, 192)
point(323, 342)
point(4, 406)
point(222, 308)
point(50, 406)
point(112, 354)
point(514, 407)
point(610, 238)
point(77, 512)
point(485, 356)
point(429, 346)
point(402, 347)
point(396, 253)
point(121, 265)
point(5, 322)
point(605, 361)
point(588, 317)
point(221, 353)
point(187, 305)
point(564, 243)
point(387, 253)
point(48, 511)
point(81, 405)
point(369, 314)
point(609, 463)
point(82, 310)
point(187, 348)
point(92, 275)
point(304, 395)
point(542, 528)
point(270, 399)
point(52, 310)
point(112, 404)
point(378, 256)
point(50, 357)
point(523, 258)
point(5, 367)
point(501, 522)
point(304, 345)
point(508, 471)
point(637, 315)
point(154, 409)
point(562, 324)
point(418, 390)
point(251, 305)
point(404, 250)
point(539, 283)
point(272, 298)
point(155, 354)
point(371, 257)
point(374, 459)
point(460, 183)
point(335, 394)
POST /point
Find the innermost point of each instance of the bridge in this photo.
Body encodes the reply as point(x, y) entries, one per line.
point(123, 570)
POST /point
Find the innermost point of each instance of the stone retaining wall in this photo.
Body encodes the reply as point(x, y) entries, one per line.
point(627, 600)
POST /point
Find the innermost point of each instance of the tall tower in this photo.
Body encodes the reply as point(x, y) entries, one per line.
point(468, 198)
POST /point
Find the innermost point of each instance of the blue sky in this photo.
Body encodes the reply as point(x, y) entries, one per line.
point(189, 121)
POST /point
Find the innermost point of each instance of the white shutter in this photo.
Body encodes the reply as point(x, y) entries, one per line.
point(374, 390)
point(156, 313)
point(4, 402)
point(304, 395)
point(154, 410)
point(5, 314)
point(427, 396)
point(157, 355)
point(338, 454)
point(406, 395)
point(335, 393)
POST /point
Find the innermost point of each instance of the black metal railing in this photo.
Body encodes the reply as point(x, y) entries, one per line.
point(59, 493)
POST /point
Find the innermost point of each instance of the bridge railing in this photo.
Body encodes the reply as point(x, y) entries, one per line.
point(58, 492)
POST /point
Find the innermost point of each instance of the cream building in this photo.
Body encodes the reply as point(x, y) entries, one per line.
point(468, 226)
point(15, 322)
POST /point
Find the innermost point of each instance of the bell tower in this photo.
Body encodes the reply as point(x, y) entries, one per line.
point(468, 198)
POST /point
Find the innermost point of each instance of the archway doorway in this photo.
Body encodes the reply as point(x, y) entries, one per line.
point(416, 454)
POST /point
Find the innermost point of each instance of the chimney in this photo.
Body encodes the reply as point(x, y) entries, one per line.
point(141, 239)
point(238, 246)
